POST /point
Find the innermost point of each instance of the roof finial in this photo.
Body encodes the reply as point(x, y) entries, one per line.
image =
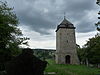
point(64, 15)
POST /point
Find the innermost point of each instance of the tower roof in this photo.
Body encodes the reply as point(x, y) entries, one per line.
point(65, 24)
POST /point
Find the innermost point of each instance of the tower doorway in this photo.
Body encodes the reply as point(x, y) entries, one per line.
point(67, 59)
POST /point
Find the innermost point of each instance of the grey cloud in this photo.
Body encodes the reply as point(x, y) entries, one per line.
point(36, 22)
point(79, 5)
point(41, 15)
point(85, 27)
point(77, 10)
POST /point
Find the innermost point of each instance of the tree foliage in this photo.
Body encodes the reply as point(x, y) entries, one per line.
point(90, 51)
point(44, 53)
point(81, 54)
point(9, 33)
point(93, 50)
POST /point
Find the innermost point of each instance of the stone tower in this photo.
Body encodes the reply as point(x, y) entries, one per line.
point(66, 43)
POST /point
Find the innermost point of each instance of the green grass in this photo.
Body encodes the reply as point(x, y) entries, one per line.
point(62, 69)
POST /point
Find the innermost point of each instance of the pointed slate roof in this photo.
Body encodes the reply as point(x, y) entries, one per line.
point(65, 24)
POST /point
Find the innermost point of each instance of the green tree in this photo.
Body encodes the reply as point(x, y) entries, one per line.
point(93, 50)
point(81, 54)
point(9, 33)
point(90, 53)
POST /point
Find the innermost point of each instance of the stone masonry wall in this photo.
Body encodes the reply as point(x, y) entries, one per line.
point(66, 45)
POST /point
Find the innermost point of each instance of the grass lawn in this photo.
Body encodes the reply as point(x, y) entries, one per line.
point(62, 69)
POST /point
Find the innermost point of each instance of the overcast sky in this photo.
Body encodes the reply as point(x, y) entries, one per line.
point(39, 19)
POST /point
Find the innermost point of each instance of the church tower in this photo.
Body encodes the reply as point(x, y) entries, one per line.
point(66, 43)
